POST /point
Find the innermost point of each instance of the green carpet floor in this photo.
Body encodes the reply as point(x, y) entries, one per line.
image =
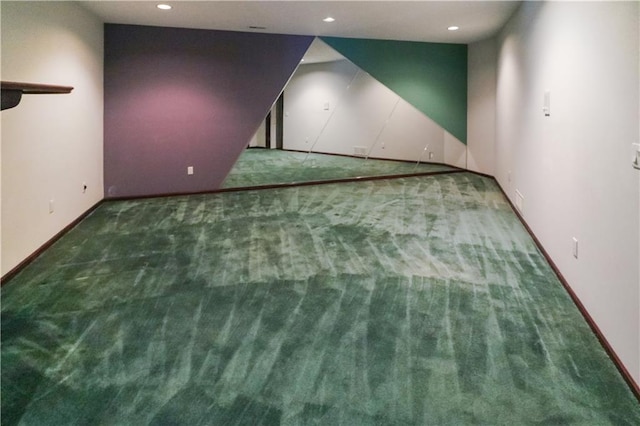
point(260, 167)
point(415, 301)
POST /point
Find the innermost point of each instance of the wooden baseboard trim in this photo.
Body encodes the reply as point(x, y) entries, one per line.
point(372, 158)
point(626, 375)
point(286, 185)
point(342, 180)
point(454, 169)
point(20, 266)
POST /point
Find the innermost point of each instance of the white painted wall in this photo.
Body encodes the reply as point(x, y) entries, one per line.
point(51, 144)
point(481, 109)
point(455, 152)
point(573, 167)
point(638, 141)
point(260, 138)
point(333, 107)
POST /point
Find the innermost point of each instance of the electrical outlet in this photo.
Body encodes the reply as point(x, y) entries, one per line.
point(575, 247)
point(51, 206)
point(190, 170)
point(431, 156)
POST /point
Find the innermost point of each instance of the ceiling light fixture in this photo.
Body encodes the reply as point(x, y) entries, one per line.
point(163, 7)
point(453, 28)
point(328, 19)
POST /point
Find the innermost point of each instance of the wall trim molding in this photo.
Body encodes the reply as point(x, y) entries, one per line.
point(456, 168)
point(287, 185)
point(26, 261)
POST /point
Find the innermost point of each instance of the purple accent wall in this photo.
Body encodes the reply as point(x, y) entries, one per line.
point(177, 97)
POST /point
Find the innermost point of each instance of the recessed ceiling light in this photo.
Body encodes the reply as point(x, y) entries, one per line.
point(164, 7)
point(453, 28)
point(328, 19)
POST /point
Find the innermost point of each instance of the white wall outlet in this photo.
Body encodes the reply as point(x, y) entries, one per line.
point(51, 206)
point(519, 201)
point(575, 247)
point(431, 156)
point(190, 170)
point(326, 106)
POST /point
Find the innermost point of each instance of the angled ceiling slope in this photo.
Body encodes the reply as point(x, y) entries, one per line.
point(430, 76)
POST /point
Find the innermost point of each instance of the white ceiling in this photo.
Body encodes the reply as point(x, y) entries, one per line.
point(319, 51)
point(390, 20)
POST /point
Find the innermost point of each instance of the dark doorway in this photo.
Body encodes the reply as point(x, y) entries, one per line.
point(267, 130)
point(279, 121)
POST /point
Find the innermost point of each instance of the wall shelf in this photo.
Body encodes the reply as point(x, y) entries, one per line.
point(12, 91)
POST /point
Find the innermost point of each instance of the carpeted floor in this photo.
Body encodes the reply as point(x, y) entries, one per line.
point(260, 167)
point(403, 301)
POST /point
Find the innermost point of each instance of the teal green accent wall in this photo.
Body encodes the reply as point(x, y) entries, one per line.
point(430, 76)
